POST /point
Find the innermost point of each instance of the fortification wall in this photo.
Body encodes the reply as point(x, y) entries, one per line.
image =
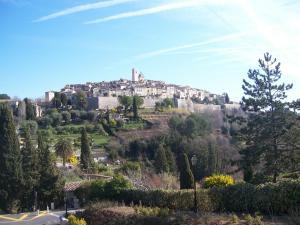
point(201, 108)
point(108, 102)
point(149, 103)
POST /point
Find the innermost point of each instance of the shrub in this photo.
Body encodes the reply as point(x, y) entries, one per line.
point(218, 180)
point(269, 198)
point(73, 220)
point(153, 212)
point(73, 160)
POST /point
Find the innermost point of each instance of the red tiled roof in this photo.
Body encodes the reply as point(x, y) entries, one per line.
point(72, 186)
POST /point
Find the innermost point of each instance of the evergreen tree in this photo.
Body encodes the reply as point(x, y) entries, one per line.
point(161, 162)
point(135, 108)
point(56, 101)
point(212, 159)
point(186, 175)
point(226, 98)
point(64, 99)
point(268, 122)
point(85, 156)
point(11, 176)
point(30, 170)
point(30, 110)
point(51, 183)
point(171, 160)
point(126, 101)
point(64, 149)
point(81, 100)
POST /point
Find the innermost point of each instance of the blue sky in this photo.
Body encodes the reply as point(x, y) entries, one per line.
point(208, 44)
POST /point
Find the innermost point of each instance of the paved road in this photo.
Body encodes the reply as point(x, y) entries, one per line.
point(44, 218)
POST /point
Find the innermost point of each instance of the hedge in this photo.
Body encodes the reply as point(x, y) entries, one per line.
point(270, 198)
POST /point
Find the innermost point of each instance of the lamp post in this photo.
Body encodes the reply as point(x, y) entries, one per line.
point(66, 202)
point(194, 163)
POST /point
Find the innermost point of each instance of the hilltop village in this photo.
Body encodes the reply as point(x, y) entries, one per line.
point(104, 95)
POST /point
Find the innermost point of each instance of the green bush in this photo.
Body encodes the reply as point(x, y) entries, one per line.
point(218, 180)
point(269, 198)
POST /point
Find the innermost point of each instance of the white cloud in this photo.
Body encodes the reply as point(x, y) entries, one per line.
point(224, 38)
point(148, 11)
point(81, 8)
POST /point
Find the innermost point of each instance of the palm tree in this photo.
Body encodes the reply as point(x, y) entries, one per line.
point(64, 149)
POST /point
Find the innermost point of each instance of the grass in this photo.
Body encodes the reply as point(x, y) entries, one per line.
point(133, 125)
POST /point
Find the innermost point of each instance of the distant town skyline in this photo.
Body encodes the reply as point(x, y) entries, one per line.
point(204, 44)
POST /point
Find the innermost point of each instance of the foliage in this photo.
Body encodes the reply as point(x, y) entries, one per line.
point(100, 189)
point(11, 176)
point(73, 160)
point(86, 160)
point(64, 149)
point(29, 124)
point(126, 102)
point(193, 125)
point(269, 121)
point(66, 116)
point(131, 169)
point(186, 175)
point(135, 108)
point(270, 198)
point(30, 110)
point(81, 100)
point(4, 96)
point(218, 180)
point(73, 220)
point(161, 161)
point(167, 103)
point(50, 184)
point(30, 168)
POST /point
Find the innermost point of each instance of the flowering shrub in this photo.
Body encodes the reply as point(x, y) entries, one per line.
point(218, 180)
point(73, 160)
point(73, 220)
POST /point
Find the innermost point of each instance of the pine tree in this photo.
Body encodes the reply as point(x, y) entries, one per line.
point(51, 183)
point(161, 162)
point(30, 170)
point(85, 156)
point(11, 176)
point(186, 175)
point(268, 120)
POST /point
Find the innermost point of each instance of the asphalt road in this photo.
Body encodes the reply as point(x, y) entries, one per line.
point(44, 218)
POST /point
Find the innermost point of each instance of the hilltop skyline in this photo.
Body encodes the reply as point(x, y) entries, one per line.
point(204, 44)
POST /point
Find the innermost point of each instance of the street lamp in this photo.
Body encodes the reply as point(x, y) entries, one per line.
point(194, 163)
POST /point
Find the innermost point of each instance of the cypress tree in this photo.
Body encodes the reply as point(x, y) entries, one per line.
point(135, 108)
point(186, 175)
point(161, 161)
point(51, 183)
point(85, 156)
point(171, 160)
point(212, 159)
point(30, 110)
point(30, 169)
point(11, 176)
